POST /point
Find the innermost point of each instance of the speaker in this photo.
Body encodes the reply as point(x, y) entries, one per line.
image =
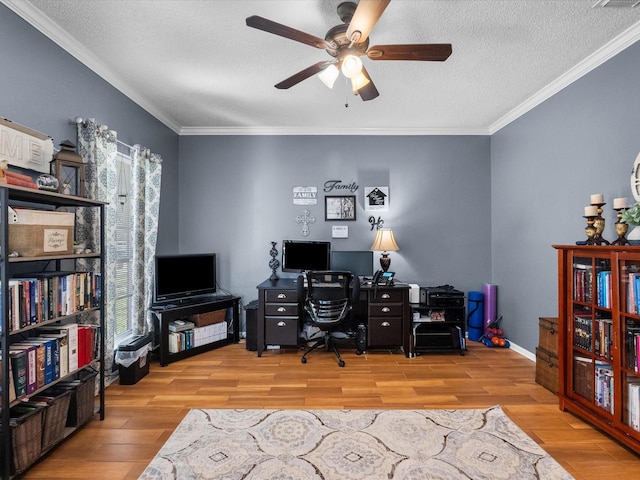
point(361, 339)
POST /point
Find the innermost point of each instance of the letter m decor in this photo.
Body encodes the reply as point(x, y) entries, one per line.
point(24, 147)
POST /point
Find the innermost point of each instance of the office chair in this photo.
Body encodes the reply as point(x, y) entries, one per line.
point(329, 299)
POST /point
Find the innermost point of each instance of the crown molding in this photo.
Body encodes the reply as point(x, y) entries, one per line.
point(618, 44)
point(186, 131)
point(48, 28)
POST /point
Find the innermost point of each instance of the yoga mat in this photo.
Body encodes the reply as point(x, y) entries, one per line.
point(475, 320)
point(490, 292)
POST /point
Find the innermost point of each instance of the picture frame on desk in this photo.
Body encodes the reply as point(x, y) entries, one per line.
point(340, 207)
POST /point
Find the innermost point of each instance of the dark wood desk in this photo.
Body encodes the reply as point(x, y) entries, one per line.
point(164, 316)
point(383, 309)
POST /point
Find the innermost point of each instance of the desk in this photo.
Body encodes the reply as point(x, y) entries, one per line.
point(383, 309)
point(162, 318)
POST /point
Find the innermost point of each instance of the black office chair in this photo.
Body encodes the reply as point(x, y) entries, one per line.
point(329, 299)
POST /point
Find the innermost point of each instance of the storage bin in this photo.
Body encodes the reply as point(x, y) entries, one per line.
point(54, 416)
point(548, 334)
point(547, 373)
point(132, 359)
point(82, 399)
point(38, 233)
point(208, 318)
point(26, 437)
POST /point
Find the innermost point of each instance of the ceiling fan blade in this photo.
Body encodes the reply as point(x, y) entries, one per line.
point(303, 75)
point(432, 52)
point(365, 18)
point(278, 29)
point(369, 91)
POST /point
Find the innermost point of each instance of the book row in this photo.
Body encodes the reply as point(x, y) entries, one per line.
point(594, 381)
point(632, 347)
point(582, 283)
point(633, 293)
point(583, 286)
point(186, 339)
point(633, 401)
point(42, 297)
point(54, 353)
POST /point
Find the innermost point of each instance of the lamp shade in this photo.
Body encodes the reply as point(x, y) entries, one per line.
point(329, 75)
point(384, 241)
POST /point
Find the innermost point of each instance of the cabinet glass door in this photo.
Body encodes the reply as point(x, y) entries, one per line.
point(630, 339)
point(591, 333)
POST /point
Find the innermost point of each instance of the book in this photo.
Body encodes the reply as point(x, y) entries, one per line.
point(18, 365)
point(32, 365)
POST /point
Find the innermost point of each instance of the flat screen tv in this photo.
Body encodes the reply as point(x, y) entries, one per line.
point(300, 256)
point(358, 262)
point(184, 277)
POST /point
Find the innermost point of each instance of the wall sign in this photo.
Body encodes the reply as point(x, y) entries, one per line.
point(24, 147)
point(339, 232)
point(376, 198)
point(305, 195)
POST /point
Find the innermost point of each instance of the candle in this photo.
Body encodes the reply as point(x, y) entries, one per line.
point(597, 198)
point(619, 203)
point(591, 211)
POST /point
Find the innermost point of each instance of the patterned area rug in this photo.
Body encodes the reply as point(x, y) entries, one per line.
point(351, 444)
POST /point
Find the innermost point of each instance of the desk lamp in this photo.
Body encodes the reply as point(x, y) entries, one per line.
point(384, 242)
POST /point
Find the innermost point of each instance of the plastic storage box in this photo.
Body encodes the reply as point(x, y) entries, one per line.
point(132, 359)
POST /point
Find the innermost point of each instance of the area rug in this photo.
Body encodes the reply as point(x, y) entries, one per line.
point(351, 444)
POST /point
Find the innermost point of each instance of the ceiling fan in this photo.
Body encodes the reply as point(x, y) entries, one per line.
point(347, 42)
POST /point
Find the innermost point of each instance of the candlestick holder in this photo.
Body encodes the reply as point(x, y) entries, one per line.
point(598, 223)
point(590, 230)
point(621, 228)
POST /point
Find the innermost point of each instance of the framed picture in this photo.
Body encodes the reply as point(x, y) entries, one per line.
point(340, 207)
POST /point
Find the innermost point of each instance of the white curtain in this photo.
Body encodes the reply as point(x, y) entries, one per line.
point(97, 146)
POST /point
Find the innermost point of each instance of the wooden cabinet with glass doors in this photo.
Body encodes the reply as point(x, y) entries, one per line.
point(599, 337)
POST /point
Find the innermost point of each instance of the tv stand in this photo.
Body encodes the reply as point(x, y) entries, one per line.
point(165, 314)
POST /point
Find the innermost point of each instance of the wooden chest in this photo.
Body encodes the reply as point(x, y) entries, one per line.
point(547, 373)
point(548, 334)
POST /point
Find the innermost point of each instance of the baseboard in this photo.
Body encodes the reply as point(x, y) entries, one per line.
point(525, 353)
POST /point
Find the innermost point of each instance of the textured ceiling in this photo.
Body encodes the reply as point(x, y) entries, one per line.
point(198, 68)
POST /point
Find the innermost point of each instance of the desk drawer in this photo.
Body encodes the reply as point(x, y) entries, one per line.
point(385, 310)
point(384, 332)
point(281, 309)
point(281, 296)
point(281, 330)
point(386, 296)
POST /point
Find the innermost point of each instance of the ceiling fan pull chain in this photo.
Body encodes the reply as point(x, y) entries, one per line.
point(346, 92)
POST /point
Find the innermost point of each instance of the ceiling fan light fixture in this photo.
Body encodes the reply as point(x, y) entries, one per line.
point(329, 75)
point(351, 66)
point(358, 82)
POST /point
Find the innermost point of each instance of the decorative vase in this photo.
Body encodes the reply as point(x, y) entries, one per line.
point(634, 235)
point(273, 263)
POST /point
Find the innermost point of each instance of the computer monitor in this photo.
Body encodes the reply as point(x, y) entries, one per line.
point(358, 262)
point(300, 256)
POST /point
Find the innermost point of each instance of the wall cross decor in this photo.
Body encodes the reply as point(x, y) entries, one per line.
point(305, 219)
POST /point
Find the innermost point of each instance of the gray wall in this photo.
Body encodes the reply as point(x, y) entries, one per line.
point(45, 88)
point(544, 167)
point(465, 210)
point(236, 197)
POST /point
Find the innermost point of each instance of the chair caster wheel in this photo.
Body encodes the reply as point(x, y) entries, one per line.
point(341, 363)
point(303, 360)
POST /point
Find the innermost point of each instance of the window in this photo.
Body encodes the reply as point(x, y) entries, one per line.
point(124, 250)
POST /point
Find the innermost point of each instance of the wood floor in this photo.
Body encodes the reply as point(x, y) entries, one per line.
point(140, 417)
